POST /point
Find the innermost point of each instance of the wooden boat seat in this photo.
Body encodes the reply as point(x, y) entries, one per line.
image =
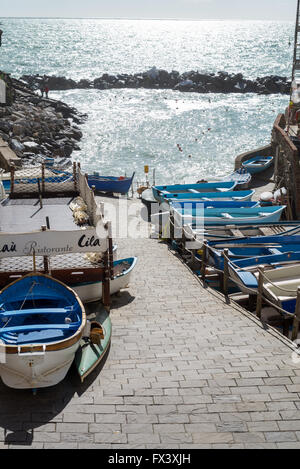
point(25, 312)
point(40, 327)
point(247, 279)
point(48, 335)
point(237, 233)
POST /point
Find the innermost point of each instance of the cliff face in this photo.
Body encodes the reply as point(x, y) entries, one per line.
point(36, 127)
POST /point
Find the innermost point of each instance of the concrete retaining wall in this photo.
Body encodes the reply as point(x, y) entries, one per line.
point(263, 151)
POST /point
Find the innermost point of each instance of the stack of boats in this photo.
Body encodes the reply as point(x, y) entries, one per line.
point(249, 232)
point(56, 255)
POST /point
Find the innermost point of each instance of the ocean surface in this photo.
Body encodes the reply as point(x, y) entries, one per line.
point(127, 129)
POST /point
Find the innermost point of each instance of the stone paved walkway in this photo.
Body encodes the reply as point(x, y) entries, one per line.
point(185, 370)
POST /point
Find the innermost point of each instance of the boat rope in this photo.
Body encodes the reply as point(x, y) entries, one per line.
point(34, 283)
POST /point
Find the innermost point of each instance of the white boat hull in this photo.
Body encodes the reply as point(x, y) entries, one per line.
point(90, 292)
point(37, 369)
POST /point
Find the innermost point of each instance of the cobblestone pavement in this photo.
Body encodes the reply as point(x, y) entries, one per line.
point(185, 370)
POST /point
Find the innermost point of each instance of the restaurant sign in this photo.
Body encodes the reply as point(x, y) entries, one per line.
point(51, 243)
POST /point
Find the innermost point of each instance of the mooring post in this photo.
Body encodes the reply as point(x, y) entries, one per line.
point(43, 178)
point(172, 226)
point(203, 265)
point(34, 261)
point(106, 281)
point(226, 272)
point(110, 250)
point(45, 258)
point(12, 179)
point(259, 292)
point(75, 176)
point(296, 320)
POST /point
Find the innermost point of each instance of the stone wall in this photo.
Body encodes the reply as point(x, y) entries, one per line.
point(286, 164)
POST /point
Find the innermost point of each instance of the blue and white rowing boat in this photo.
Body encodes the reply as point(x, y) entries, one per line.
point(226, 232)
point(244, 271)
point(115, 184)
point(252, 247)
point(192, 205)
point(42, 322)
point(228, 195)
point(257, 164)
point(280, 286)
point(219, 186)
point(231, 215)
point(92, 291)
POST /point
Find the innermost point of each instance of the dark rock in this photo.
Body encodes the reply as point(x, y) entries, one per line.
point(222, 82)
point(5, 126)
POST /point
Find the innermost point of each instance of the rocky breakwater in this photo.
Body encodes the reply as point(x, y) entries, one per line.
point(193, 81)
point(36, 127)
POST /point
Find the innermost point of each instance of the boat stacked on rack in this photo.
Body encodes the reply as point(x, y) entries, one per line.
point(213, 204)
point(224, 229)
point(276, 258)
point(56, 254)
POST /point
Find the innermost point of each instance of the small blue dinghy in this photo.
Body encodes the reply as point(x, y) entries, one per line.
point(119, 185)
point(41, 324)
point(219, 186)
point(257, 164)
point(191, 205)
point(228, 195)
point(253, 247)
point(243, 271)
point(230, 215)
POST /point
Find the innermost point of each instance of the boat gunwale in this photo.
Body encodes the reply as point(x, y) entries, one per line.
point(119, 261)
point(51, 346)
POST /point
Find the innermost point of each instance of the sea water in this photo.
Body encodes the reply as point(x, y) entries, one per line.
point(182, 136)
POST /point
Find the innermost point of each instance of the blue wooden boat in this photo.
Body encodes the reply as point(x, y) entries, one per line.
point(59, 178)
point(191, 205)
point(228, 195)
point(280, 286)
point(159, 191)
point(244, 271)
point(252, 247)
point(287, 238)
point(231, 232)
point(119, 185)
point(257, 164)
point(41, 324)
point(231, 215)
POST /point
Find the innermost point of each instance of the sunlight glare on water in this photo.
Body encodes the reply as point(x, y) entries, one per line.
point(127, 129)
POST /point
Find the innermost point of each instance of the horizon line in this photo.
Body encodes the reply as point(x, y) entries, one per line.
point(142, 18)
